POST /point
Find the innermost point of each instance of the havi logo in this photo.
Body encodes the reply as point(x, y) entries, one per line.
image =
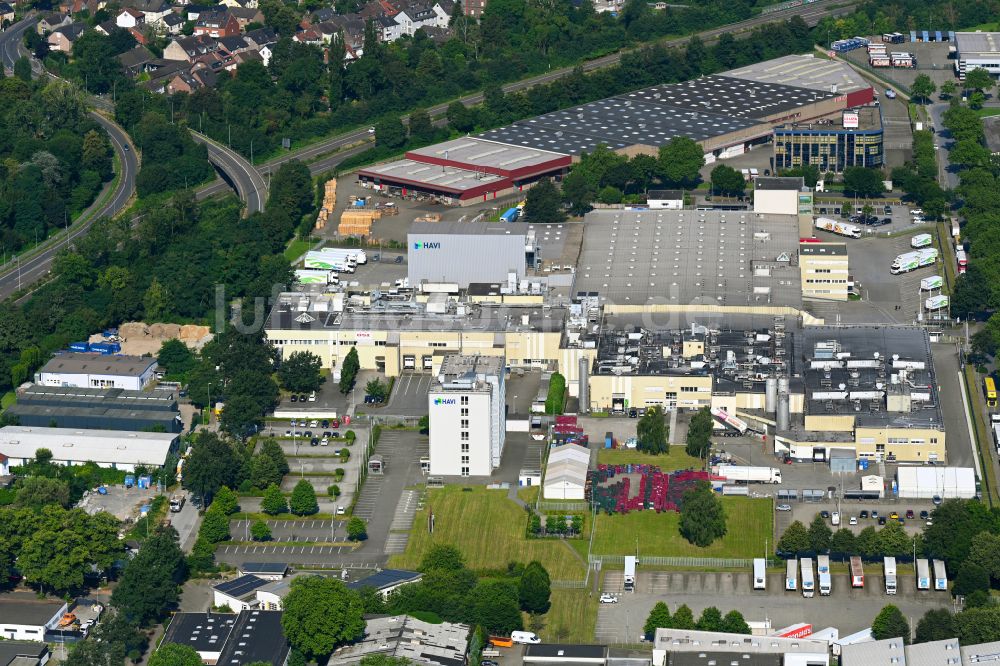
point(444, 401)
point(427, 246)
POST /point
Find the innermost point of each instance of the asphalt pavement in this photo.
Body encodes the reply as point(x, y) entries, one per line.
point(249, 184)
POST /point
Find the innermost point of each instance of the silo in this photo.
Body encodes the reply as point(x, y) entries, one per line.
point(783, 412)
point(770, 394)
point(584, 386)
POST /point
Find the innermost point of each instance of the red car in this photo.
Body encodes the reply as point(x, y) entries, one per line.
point(335, 423)
point(909, 513)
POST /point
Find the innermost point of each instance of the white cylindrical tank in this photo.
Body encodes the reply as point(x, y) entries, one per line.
point(584, 389)
point(783, 417)
point(770, 394)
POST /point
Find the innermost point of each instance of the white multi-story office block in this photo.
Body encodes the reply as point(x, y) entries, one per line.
point(467, 416)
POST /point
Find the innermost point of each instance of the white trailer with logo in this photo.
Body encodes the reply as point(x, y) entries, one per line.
point(839, 228)
point(940, 576)
point(921, 240)
point(923, 574)
point(759, 573)
point(823, 566)
point(791, 575)
point(889, 569)
point(808, 582)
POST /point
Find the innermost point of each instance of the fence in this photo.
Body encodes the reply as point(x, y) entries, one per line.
point(681, 562)
point(543, 506)
point(568, 584)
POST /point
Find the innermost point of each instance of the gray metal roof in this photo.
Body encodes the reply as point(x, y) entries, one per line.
point(779, 183)
point(803, 71)
point(484, 153)
point(686, 257)
point(935, 653)
point(100, 364)
point(977, 44)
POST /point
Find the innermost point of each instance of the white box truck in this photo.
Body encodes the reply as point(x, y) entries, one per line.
point(839, 228)
point(857, 572)
point(629, 580)
point(823, 566)
point(747, 474)
point(759, 573)
point(921, 240)
point(911, 261)
point(940, 577)
point(792, 575)
point(315, 276)
point(923, 574)
point(889, 569)
point(808, 582)
point(354, 254)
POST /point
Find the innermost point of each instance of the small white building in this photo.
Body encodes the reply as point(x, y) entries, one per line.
point(467, 409)
point(117, 449)
point(945, 482)
point(25, 617)
point(92, 370)
point(238, 594)
point(566, 473)
point(724, 648)
point(668, 199)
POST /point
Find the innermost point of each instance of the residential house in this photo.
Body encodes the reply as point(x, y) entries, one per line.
point(261, 37)
point(130, 18)
point(415, 15)
point(308, 36)
point(139, 36)
point(352, 31)
point(474, 8)
point(172, 24)
point(6, 13)
point(107, 27)
point(62, 39)
point(189, 48)
point(216, 23)
point(246, 15)
point(188, 82)
point(4, 465)
point(50, 22)
point(233, 45)
point(245, 4)
point(325, 14)
point(388, 29)
point(161, 72)
point(134, 61)
point(153, 10)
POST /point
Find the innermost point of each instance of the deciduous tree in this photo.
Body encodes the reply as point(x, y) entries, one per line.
point(534, 588)
point(300, 372)
point(273, 501)
point(659, 618)
point(651, 432)
point(703, 520)
point(321, 614)
point(890, 623)
point(303, 500)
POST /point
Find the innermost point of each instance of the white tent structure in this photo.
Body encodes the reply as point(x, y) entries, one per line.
point(945, 482)
point(566, 473)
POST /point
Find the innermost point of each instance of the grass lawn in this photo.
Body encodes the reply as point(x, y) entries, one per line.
point(988, 111)
point(489, 530)
point(296, 249)
point(9, 398)
point(529, 495)
point(749, 523)
point(571, 619)
point(676, 459)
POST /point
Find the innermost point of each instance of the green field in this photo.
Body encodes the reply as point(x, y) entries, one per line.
point(676, 459)
point(489, 529)
point(296, 249)
point(988, 111)
point(749, 523)
point(571, 619)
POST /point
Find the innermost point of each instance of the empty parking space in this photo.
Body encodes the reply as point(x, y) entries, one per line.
point(294, 530)
point(409, 394)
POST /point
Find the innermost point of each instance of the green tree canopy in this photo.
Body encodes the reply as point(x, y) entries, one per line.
point(703, 520)
point(534, 590)
point(175, 358)
point(683, 618)
point(728, 181)
point(681, 161)
point(300, 372)
point(357, 530)
point(699, 434)
point(890, 623)
point(543, 203)
point(321, 614)
point(863, 182)
point(922, 87)
point(659, 618)
point(794, 540)
point(274, 501)
point(175, 654)
point(303, 500)
point(819, 535)
point(444, 557)
point(710, 620)
point(937, 624)
point(149, 586)
point(651, 432)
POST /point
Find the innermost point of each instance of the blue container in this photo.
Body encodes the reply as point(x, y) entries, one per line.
point(79, 346)
point(144, 481)
point(129, 480)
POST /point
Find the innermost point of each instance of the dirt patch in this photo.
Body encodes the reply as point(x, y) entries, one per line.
point(139, 338)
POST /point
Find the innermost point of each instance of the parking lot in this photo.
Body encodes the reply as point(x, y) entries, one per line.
point(848, 609)
point(409, 394)
point(308, 531)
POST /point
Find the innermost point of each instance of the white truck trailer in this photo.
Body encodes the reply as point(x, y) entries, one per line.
point(792, 575)
point(921, 240)
point(889, 570)
point(629, 580)
point(857, 572)
point(316, 276)
point(923, 574)
point(940, 576)
point(911, 261)
point(759, 573)
point(354, 254)
point(839, 228)
point(823, 566)
point(747, 474)
point(808, 582)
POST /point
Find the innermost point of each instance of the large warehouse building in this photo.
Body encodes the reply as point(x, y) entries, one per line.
point(466, 252)
point(977, 49)
point(725, 113)
point(108, 448)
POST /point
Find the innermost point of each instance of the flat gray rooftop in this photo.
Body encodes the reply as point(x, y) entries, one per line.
point(689, 257)
point(480, 152)
point(869, 118)
point(974, 44)
point(803, 71)
point(72, 363)
point(452, 227)
point(449, 179)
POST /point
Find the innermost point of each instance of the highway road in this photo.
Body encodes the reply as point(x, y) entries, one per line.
point(250, 185)
point(22, 273)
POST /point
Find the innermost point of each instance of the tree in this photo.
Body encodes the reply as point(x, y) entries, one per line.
point(442, 557)
point(534, 589)
point(610, 195)
point(349, 371)
point(148, 587)
point(377, 389)
point(578, 192)
point(303, 500)
point(863, 182)
point(699, 434)
point(956, 523)
point(710, 620)
point(390, 133)
point(494, 605)
point(300, 372)
point(214, 526)
point(734, 623)
point(659, 618)
point(259, 531)
point(211, 465)
point(795, 539)
point(703, 520)
point(175, 654)
point(970, 578)
point(683, 618)
point(22, 69)
point(175, 358)
point(320, 614)
point(226, 501)
point(543, 204)
point(890, 623)
point(727, 180)
point(421, 127)
point(273, 501)
point(893, 540)
point(356, 529)
point(977, 79)
point(819, 535)
point(843, 542)
point(555, 398)
point(984, 550)
point(937, 624)
point(947, 89)
point(922, 87)
point(651, 432)
point(460, 117)
point(681, 161)
point(35, 492)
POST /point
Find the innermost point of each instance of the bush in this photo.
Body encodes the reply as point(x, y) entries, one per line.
point(333, 491)
point(356, 529)
point(259, 531)
point(556, 397)
point(303, 501)
point(345, 455)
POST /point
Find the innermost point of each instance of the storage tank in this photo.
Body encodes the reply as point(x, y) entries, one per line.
point(783, 385)
point(783, 416)
point(584, 389)
point(770, 394)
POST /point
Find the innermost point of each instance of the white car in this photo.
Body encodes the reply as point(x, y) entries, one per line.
point(325, 441)
point(916, 212)
point(314, 424)
point(854, 520)
point(609, 599)
point(371, 130)
point(783, 507)
point(835, 518)
point(341, 511)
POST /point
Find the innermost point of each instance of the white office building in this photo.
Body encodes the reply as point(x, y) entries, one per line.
point(92, 370)
point(467, 416)
point(977, 49)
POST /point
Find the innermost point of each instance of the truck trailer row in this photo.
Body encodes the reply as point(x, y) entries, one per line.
point(799, 574)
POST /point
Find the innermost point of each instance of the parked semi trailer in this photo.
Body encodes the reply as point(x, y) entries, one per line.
point(747, 474)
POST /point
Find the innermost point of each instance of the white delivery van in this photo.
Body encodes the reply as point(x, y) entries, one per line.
point(526, 637)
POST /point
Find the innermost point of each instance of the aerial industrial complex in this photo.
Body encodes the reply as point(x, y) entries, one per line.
point(813, 111)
